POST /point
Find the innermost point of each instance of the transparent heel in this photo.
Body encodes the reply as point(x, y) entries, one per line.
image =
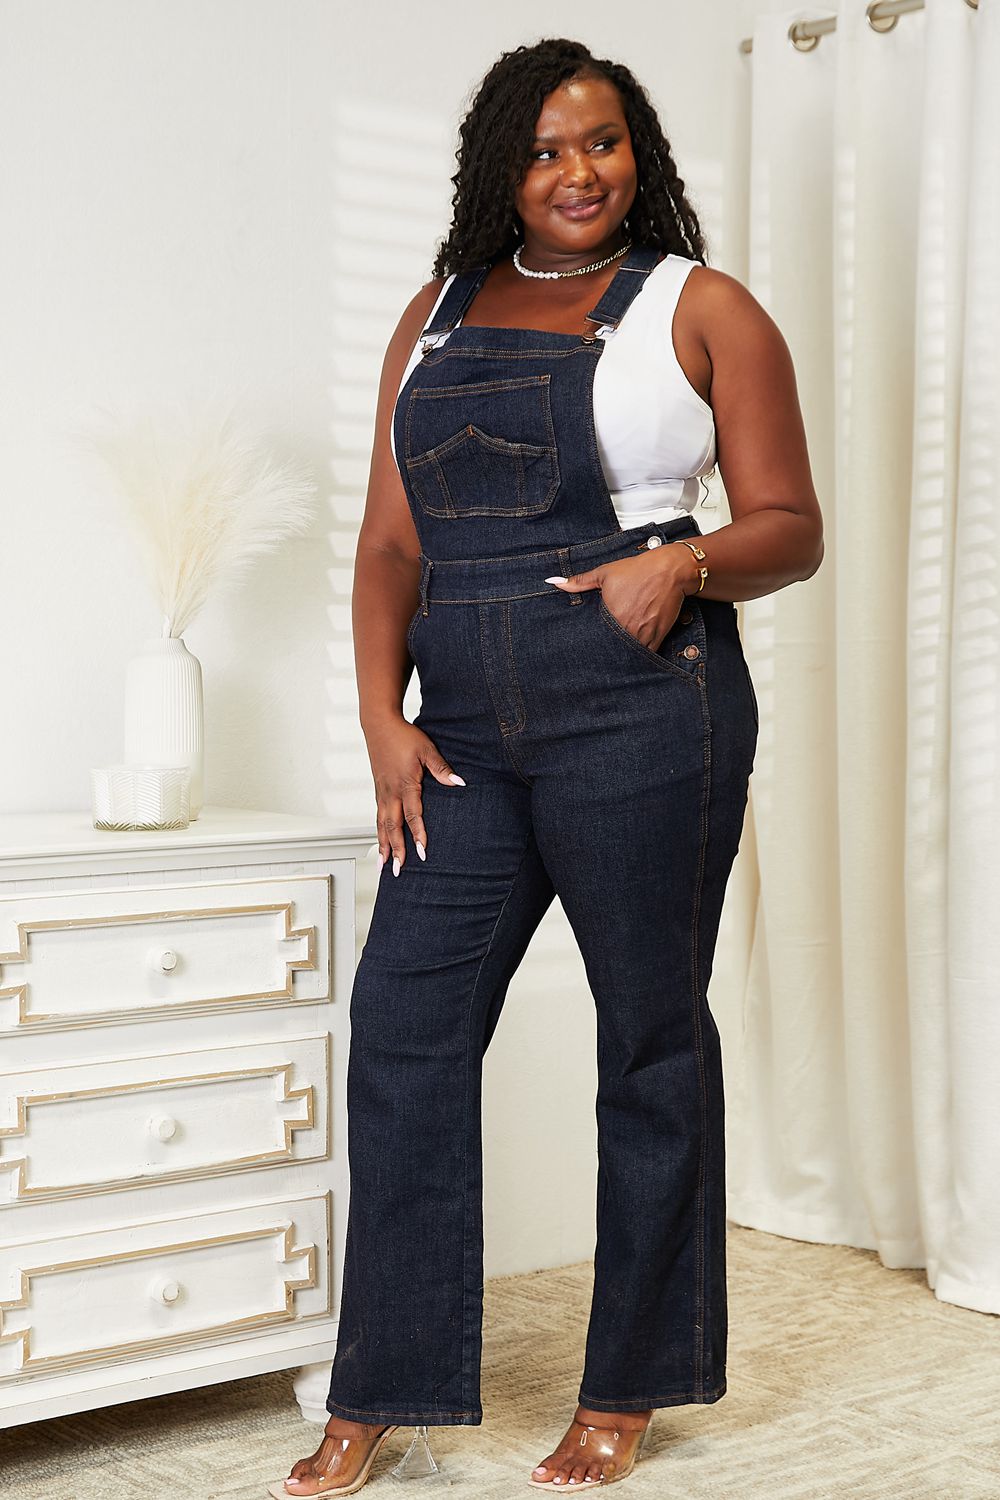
point(418, 1462)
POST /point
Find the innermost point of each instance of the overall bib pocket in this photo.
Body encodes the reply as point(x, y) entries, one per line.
point(483, 448)
point(683, 650)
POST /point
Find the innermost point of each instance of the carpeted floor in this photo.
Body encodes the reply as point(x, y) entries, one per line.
point(845, 1380)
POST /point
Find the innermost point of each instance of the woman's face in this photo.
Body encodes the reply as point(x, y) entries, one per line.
point(580, 180)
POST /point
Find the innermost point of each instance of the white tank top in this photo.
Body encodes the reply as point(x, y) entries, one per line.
point(655, 434)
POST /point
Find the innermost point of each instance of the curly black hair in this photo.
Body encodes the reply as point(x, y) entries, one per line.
point(496, 137)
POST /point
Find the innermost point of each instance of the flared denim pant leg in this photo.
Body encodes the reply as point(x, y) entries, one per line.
point(638, 802)
point(446, 936)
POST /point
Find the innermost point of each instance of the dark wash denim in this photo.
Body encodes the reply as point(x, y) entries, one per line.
point(598, 770)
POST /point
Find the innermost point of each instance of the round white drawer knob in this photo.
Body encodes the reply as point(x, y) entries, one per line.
point(163, 1127)
point(166, 1292)
point(168, 961)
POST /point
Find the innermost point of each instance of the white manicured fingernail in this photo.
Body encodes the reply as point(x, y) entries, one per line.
point(378, 869)
point(420, 849)
point(395, 865)
point(456, 779)
point(555, 580)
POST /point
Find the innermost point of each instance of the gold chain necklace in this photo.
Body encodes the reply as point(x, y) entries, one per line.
point(580, 270)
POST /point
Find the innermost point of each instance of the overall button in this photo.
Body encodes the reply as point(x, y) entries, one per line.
point(686, 617)
point(691, 652)
point(654, 541)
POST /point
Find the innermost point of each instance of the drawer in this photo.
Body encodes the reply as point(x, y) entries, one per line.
point(102, 1125)
point(88, 957)
point(159, 1285)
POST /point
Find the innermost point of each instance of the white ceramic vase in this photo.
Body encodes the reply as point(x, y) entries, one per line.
point(164, 711)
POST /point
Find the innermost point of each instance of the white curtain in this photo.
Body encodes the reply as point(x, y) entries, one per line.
point(859, 992)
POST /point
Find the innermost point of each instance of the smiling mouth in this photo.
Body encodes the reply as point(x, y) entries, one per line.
point(579, 207)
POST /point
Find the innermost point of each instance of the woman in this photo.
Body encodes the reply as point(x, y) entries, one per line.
point(587, 729)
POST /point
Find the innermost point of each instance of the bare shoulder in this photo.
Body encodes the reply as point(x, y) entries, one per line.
point(422, 301)
point(414, 317)
point(726, 310)
point(411, 321)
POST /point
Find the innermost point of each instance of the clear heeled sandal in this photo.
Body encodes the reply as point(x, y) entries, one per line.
point(616, 1449)
point(351, 1463)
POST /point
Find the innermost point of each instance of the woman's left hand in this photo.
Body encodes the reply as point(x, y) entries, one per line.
point(644, 594)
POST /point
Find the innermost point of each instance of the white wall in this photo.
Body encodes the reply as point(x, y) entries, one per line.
point(240, 198)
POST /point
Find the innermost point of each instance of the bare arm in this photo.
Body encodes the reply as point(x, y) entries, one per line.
point(385, 594)
point(386, 564)
point(775, 536)
point(776, 533)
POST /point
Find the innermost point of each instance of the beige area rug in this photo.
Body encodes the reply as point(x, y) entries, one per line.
point(845, 1380)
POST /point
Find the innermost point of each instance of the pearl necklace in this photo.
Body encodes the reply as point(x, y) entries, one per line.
point(580, 270)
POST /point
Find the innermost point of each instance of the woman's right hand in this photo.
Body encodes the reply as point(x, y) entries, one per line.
point(399, 753)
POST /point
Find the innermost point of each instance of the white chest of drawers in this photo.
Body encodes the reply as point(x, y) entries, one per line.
point(174, 1027)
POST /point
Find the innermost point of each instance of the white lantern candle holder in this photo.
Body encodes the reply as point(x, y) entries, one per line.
point(140, 797)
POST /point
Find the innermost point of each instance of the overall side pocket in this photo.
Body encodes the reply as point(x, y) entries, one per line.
point(683, 650)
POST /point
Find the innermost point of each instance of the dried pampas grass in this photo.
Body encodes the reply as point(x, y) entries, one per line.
point(202, 498)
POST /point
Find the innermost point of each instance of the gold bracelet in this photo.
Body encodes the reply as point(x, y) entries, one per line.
point(702, 572)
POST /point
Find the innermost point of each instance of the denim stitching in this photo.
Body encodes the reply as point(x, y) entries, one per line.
point(518, 383)
point(547, 416)
point(522, 713)
point(699, 1321)
point(446, 489)
point(556, 470)
point(662, 662)
point(487, 439)
point(447, 509)
point(371, 1411)
point(489, 352)
point(494, 599)
point(501, 445)
point(639, 1403)
point(407, 426)
point(466, 1371)
point(521, 486)
point(487, 677)
point(493, 510)
point(566, 572)
point(505, 558)
point(418, 612)
point(512, 755)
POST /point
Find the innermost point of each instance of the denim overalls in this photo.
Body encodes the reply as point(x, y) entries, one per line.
point(598, 770)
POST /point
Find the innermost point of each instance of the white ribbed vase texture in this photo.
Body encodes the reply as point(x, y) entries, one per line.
point(164, 711)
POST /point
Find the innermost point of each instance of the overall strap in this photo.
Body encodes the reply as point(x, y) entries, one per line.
point(624, 285)
point(456, 299)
